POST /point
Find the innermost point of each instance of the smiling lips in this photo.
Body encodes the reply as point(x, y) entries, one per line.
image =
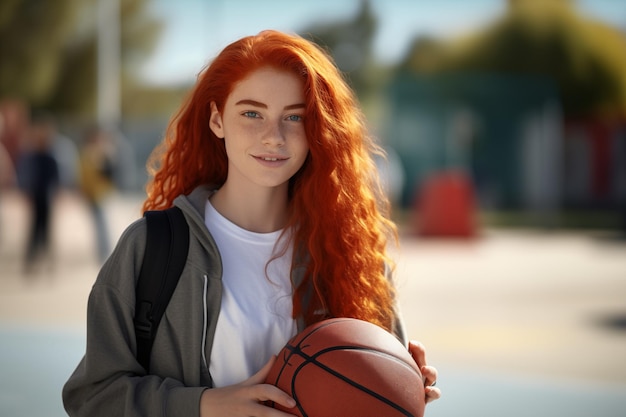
point(274, 158)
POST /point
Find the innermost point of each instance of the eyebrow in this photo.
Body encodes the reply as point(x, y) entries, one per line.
point(264, 106)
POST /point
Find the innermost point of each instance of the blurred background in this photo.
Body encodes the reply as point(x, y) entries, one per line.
point(504, 123)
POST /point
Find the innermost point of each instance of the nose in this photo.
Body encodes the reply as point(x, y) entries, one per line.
point(273, 135)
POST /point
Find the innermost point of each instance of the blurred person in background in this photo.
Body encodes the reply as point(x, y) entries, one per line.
point(65, 152)
point(15, 116)
point(38, 179)
point(7, 170)
point(125, 175)
point(96, 173)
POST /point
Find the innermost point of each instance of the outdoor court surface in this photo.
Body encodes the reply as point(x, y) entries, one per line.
point(518, 322)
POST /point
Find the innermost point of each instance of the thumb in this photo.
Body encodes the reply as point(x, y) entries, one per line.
point(259, 377)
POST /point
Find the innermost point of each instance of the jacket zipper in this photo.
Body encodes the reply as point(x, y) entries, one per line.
point(204, 321)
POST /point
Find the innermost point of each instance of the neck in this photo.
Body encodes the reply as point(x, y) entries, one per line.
point(259, 210)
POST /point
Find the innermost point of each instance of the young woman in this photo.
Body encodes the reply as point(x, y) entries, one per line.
point(271, 164)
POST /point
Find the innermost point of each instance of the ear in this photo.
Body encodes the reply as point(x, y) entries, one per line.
point(215, 122)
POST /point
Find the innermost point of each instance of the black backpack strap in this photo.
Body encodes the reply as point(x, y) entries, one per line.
point(167, 246)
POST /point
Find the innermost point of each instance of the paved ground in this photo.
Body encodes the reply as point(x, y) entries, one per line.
point(518, 322)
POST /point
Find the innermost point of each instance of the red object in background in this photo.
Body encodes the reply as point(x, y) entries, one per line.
point(598, 135)
point(446, 206)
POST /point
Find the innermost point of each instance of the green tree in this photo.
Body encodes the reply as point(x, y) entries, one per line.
point(350, 43)
point(48, 51)
point(585, 58)
point(33, 35)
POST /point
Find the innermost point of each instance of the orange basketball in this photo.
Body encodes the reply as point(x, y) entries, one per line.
point(348, 368)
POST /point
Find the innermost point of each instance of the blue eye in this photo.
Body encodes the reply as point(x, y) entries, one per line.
point(294, 118)
point(252, 114)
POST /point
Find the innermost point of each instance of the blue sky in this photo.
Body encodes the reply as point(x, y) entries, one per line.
point(196, 30)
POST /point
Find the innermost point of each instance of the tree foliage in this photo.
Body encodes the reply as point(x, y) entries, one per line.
point(48, 51)
point(33, 36)
point(350, 43)
point(585, 58)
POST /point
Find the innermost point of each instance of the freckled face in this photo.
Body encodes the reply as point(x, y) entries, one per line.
point(263, 129)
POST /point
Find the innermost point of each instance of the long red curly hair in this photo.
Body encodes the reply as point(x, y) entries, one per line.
point(338, 213)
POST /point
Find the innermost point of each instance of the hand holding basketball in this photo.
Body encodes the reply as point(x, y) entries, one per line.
point(429, 374)
point(246, 398)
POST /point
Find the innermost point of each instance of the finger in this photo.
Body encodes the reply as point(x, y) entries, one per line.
point(429, 375)
point(260, 376)
point(261, 410)
point(418, 352)
point(267, 392)
point(432, 394)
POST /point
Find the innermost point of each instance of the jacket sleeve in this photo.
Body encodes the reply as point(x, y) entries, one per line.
point(108, 380)
point(398, 329)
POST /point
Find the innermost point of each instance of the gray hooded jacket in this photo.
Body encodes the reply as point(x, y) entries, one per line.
point(108, 380)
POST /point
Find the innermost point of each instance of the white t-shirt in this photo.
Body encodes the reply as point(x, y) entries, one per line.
point(255, 318)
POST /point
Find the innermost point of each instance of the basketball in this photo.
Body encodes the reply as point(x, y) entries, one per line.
point(348, 368)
